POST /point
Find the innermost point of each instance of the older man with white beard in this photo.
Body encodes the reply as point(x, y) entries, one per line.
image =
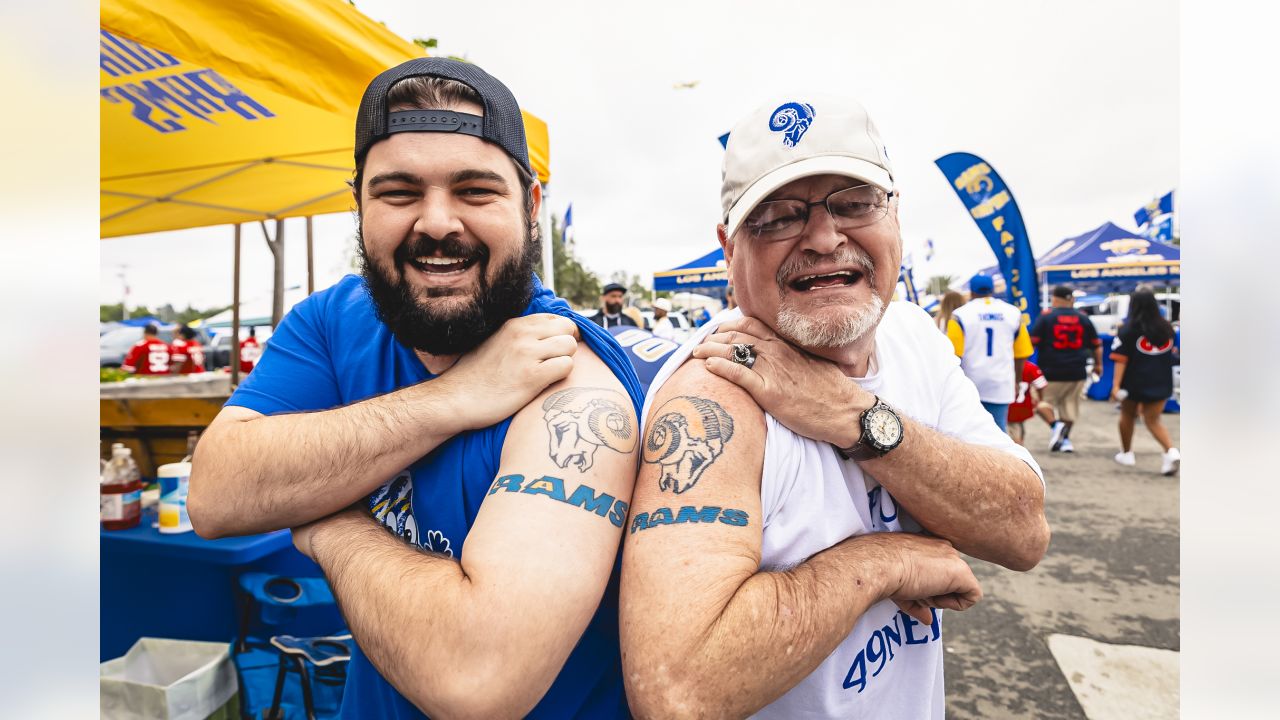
point(814, 462)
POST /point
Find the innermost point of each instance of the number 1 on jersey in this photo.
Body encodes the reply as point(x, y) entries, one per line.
point(991, 336)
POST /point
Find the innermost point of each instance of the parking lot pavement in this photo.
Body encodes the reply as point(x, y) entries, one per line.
point(1110, 575)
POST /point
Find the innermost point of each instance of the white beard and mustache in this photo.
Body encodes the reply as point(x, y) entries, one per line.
point(813, 332)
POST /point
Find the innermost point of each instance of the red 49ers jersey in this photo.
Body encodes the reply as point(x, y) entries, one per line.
point(250, 351)
point(150, 356)
point(187, 356)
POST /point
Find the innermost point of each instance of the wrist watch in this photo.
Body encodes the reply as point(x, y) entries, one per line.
point(881, 432)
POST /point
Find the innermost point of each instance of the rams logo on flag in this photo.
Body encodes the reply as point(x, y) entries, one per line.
point(976, 180)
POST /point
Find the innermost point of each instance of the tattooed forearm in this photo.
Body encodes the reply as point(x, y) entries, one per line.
point(581, 420)
point(687, 435)
point(688, 514)
point(584, 496)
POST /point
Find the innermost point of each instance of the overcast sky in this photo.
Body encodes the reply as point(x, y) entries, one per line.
point(1075, 105)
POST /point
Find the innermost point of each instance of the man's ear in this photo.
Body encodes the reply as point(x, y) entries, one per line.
point(725, 243)
point(536, 191)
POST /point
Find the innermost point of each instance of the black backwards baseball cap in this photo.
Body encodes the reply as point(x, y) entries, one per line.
point(502, 124)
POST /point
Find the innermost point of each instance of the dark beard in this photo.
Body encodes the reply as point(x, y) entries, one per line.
point(612, 308)
point(460, 329)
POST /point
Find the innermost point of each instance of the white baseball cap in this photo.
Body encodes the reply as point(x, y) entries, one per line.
point(797, 137)
point(663, 303)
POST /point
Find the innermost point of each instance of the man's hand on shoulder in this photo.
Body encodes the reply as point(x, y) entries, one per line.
point(512, 367)
point(806, 393)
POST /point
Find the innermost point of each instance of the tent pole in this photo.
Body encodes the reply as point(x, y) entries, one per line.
point(311, 265)
point(544, 230)
point(235, 313)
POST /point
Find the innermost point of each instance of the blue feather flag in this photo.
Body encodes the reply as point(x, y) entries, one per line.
point(991, 205)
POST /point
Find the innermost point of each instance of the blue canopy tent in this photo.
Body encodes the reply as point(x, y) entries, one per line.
point(708, 271)
point(147, 320)
point(1110, 259)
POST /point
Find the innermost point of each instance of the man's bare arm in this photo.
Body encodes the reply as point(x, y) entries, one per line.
point(986, 502)
point(254, 473)
point(485, 637)
point(705, 632)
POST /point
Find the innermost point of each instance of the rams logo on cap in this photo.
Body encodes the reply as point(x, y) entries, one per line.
point(792, 120)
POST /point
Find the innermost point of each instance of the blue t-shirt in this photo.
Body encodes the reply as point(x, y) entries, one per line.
point(332, 350)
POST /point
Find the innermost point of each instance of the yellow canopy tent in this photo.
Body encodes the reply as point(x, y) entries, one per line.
point(226, 113)
point(219, 113)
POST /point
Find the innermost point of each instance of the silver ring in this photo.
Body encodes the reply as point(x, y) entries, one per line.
point(744, 354)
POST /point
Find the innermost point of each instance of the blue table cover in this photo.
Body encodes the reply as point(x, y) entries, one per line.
point(183, 586)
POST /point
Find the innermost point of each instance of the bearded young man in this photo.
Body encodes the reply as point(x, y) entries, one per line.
point(447, 439)
point(811, 475)
point(611, 314)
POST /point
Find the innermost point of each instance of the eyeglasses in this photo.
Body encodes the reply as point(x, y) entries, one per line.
point(853, 207)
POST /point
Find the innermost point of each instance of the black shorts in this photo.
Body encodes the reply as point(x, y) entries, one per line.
point(1147, 396)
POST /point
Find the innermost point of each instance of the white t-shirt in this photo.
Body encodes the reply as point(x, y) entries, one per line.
point(890, 666)
point(990, 327)
point(663, 328)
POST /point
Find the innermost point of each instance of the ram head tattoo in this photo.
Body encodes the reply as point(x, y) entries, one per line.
point(687, 436)
point(581, 420)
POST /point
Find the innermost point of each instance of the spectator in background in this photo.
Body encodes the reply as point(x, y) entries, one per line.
point(610, 314)
point(250, 351)
point(991, 341)
point(950, 301)
point(702, 317)
point(1065, 339)
point(186, 357)
point(1144, 356)
point(662, 326)
point(729, 301)
point(1029, 402)
point(150, 356)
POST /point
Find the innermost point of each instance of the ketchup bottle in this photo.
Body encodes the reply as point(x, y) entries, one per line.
point(121, 491)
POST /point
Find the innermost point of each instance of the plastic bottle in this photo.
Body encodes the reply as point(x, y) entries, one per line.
point(121, 491)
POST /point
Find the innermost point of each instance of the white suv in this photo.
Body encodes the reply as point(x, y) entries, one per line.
point(684, 328)
point(1110, 314)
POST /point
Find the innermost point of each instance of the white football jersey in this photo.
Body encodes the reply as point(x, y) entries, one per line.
point(990, 327)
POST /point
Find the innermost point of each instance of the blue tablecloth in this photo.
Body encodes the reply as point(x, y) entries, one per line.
point(183, 586)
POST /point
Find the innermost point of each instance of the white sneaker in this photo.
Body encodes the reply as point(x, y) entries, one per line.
point(1170, 461)
point(1055, 436)
point(1126, 458)
point(1066, 446)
